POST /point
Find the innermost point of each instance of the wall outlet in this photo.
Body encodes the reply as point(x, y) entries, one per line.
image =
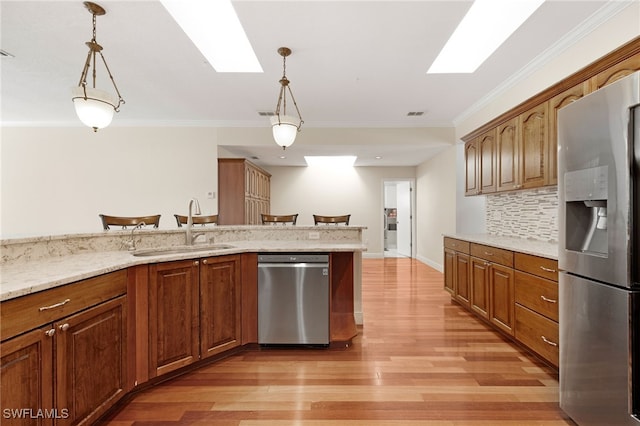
point(314, 235)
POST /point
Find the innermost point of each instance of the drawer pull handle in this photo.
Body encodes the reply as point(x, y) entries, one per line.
point(56, 305)
point(488, 253)
point(548, 300)
point(548, 269)
point(548, 342)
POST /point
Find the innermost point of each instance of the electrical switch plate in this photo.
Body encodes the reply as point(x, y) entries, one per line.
point(314, 235)
point(211, 195)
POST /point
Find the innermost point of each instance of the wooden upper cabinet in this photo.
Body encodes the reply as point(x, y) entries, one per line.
point(559, 101)
point(507, 156)
point(487, 151)
point(471, 161)
point(534, 143)
point(616, 72)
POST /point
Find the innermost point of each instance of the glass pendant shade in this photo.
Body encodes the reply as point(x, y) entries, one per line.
point(96, 110)
point(285, 129)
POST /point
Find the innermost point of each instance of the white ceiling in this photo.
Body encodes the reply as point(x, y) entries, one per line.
point(354, 64)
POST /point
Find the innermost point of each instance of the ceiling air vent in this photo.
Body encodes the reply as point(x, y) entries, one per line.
point(266, 113)
point(415, 113)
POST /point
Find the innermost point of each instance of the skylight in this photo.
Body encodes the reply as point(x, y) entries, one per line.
point(214, 27)
point(487, 24)
point(337, 161)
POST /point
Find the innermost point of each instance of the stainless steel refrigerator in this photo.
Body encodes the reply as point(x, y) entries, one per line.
point(599, 241)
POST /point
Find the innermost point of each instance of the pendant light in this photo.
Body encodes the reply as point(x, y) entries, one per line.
point(94, 107)
point(285, 127)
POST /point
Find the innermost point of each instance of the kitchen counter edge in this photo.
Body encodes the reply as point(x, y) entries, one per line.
point(546, 249)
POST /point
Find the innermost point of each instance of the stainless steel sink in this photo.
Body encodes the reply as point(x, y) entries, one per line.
point(182, 249)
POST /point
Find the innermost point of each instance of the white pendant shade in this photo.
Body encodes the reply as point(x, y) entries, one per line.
point(285, 129)
point(96, 110)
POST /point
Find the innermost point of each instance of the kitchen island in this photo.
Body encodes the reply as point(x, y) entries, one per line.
point(114, 322)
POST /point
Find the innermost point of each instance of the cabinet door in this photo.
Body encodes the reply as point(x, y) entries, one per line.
point(91, 361)
point(502, 308)
point(471, 161)
point(487, 147)
point(559, 101)
point(220, 305)
point(173, 316)
point(616, 72)
point(449, 271)
point(26, 377)
point(462, 279)
point(480, 286)
point(534, 143)
point(507, 156)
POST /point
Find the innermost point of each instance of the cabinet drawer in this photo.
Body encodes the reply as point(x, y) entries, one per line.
point(538, 333)
point(540, 266)
point(457, 245)
point(537, 294)
point(27, 312)
point(493, 254)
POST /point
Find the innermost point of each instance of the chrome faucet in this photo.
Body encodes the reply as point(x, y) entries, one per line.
point(131, 244)
point(188, 236)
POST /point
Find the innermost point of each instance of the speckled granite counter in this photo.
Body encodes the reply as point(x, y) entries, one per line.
point(35, 264)
point(534, 247)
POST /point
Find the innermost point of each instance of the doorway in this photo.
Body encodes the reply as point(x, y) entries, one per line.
point(397, 214)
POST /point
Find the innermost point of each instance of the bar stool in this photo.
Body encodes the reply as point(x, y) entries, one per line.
point(331, 219)
point(274, 219)
point(197, 220)
point(125, 221)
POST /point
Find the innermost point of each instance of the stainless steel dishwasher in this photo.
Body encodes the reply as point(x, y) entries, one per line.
point(293, 299)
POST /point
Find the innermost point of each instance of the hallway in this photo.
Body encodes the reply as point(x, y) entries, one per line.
point(419, 360)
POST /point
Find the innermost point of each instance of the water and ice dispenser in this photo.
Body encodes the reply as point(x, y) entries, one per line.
point(586, 197)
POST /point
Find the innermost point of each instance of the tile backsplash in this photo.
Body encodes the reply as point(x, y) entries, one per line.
point(529, 214)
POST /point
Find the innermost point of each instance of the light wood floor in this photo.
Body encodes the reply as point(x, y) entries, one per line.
point(419, 360)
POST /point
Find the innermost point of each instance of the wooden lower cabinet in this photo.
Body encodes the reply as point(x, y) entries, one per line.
point(516, 293)
point(194, 311)
point(220, 305)
point(501, 294)
point(480, 287)
point(26, 368)
point(70, 371)
point(91, 372)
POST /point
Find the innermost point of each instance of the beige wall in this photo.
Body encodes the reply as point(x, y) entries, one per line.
point(357, 191)
point(436, 183)
point(57, 180)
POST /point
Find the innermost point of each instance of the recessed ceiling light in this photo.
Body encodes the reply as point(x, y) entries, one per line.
point(487, 24)
point(283, 157)
point(330, 161)
point(215, 29)
point(378, 157)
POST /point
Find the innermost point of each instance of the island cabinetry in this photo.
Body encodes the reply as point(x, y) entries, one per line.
point(244, 192)
point(492, 284)
point(64, 350)
point(536, 287)
point(194, 311)
point(457, 268)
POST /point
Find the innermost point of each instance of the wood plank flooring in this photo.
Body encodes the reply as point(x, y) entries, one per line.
point(420, 359)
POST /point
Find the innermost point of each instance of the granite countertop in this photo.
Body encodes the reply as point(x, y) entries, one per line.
point(22, 278)
point(522, 245)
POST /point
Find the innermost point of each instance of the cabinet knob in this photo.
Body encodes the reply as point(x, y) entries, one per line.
point(548, 342)
point(64, 327)
point(204, 261)
point(50, 332)
point(196, 263)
